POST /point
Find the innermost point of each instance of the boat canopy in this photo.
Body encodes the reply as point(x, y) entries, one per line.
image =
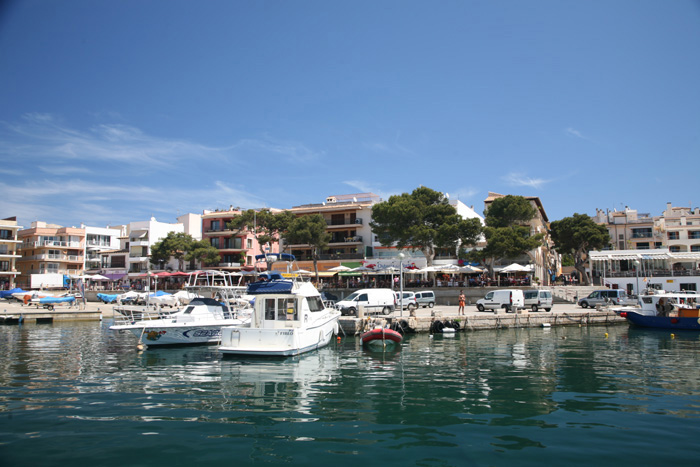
point(275, 287)
point(275, 257)
point(271, 276)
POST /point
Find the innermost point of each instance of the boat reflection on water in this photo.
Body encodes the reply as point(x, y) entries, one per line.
point(285, 383)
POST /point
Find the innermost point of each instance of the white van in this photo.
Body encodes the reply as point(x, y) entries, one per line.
point(536, 299)
point(373, 300)
point(409, 300)
point(506, 299)
point(425, 298)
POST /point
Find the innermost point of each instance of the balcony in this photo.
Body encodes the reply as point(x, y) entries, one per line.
point(229, 265)
point(52, 243)
point(53, 257)
point(332, 225)
point(346, 240)
point(138, 242)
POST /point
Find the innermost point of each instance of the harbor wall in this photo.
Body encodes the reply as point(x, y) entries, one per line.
point(473, 322)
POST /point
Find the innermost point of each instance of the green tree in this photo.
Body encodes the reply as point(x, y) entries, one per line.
point(309, 230)
point(577, 235)
point(175, 245)
point(507, 230)
point(265, 225)
point(422, 220)
point(203, 252)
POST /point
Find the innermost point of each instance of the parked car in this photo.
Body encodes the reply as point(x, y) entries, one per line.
point(536, 299)
point(409, 300)
point(506, 299)
point(604, 297)
point(372, 300)
point(425, 298)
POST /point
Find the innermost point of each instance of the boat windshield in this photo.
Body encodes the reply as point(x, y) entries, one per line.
point(315, 304)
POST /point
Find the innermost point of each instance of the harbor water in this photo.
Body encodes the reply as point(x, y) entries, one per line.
point(80, 394)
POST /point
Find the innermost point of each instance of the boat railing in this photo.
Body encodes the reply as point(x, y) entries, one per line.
point(133, 315)
point(330, 304)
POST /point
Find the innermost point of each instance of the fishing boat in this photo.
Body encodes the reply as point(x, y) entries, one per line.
point(289, 317)
point(665, 310)
point(381, 336)
point(200, 322)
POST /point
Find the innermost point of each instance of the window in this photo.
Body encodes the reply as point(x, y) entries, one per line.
point(270, 309)
point(674, 249)
point(286, 309)
point(315, 304)
point(694, 234)
point(643, 246)
point(695, 248)
point(689, 287)
point(644, 232)
point(215, 225)
point(249, 243)
point(215, 242)
point(657, 245)
point(48, 268)
point(673, 236)
point(237, 242)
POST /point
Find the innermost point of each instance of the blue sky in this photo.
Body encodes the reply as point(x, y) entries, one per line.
point(115, 111)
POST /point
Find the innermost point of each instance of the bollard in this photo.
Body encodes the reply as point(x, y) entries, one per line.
point(361, 311)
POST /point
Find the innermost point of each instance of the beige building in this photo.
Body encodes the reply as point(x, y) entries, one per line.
point(544, 260)
point(630, 230)
point(9, 244)
point(677, 228)
point(347, 218)
point(50, 249)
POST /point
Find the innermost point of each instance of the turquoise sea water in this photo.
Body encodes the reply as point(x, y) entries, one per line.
point(79, 394)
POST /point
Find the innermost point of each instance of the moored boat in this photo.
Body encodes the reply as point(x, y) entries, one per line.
point(665, 310)
point(199, 323)
point(289, 318)
point(382, 336)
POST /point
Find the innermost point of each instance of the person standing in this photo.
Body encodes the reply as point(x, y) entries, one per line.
point(462, 300)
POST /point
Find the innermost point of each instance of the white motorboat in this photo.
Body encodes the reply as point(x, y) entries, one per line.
point(289, 318)
point(199, 323)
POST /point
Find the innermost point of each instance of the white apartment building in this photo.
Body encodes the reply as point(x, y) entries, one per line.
point(98, 242)
point(142, 236)
point(8, 252)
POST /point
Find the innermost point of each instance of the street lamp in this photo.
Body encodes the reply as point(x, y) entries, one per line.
point(401, 256)
point(636, 269)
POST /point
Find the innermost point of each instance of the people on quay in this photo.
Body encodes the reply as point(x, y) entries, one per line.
point(462, 302)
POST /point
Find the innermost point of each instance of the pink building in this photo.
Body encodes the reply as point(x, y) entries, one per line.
point(237, 250)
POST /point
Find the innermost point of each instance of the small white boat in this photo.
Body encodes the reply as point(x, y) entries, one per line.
point(289, 318)
point(199, 323)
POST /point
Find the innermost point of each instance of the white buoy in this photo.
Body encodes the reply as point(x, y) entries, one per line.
point(546, 325)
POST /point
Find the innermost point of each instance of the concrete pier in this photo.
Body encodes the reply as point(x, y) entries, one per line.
point(473, 320)
point(562, 314)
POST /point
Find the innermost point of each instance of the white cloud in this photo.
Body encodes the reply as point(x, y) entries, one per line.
point(464, 194)
point(116, 173)
point(364, 187)
point(515, 179)
point(575, 133)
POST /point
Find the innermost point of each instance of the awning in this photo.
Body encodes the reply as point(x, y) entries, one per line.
point(114, 277)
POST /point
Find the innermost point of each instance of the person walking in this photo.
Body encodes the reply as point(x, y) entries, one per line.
point(462, 300)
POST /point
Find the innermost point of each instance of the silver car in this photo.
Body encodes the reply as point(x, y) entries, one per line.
point(605, 297)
